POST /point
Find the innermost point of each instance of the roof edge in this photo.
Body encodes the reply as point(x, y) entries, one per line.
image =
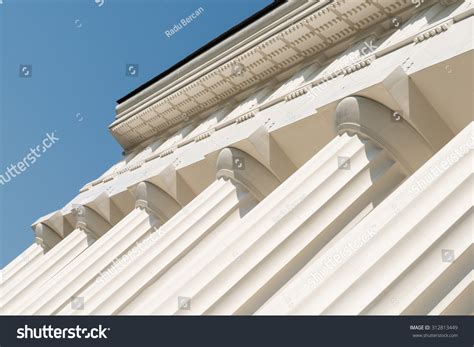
point(236, 28)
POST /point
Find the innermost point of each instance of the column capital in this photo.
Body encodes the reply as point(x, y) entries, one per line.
point(90, 221)
point(245, 170)
point(45, 236)
point(372, 120)
point(150, 197)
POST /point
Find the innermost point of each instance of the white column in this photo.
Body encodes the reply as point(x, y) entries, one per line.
point(17, 267)
point(89, 227)
point(321, 201)
point(185, 242)
point(59, 290)
point(405, 256)
point(48, 233)
point(30, 270)
point(28, 256)
point(18, 292)
point(459, 300)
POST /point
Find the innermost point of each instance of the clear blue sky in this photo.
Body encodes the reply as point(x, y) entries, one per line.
point(78, 51)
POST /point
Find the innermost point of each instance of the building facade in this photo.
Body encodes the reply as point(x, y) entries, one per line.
point(317, 161)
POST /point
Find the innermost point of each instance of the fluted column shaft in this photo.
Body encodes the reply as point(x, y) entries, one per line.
point(15, 267)
point(185, 241)
point(60, 252)
point(323, 200)
point(58, 292)
point(276, 238)
point(20, 291)
point(405, 256)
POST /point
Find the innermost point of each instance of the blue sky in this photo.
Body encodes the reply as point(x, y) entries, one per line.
point(75, 53)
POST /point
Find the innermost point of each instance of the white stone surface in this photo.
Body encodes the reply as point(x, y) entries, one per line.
point(290, 231)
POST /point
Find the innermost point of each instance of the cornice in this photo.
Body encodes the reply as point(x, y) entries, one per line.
point(300, 90)
point(307, 32)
